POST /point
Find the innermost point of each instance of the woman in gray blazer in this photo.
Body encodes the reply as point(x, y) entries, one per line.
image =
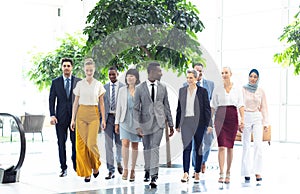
point(124, 122)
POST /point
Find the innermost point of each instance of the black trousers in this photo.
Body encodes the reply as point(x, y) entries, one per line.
point(62, 129)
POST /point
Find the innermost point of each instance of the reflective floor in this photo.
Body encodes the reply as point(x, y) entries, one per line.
point(40, 170)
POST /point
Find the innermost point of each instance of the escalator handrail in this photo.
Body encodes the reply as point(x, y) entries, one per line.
point(22, 138)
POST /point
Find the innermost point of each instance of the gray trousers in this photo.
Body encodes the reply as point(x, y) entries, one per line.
point(110, 138)
point(151, 143)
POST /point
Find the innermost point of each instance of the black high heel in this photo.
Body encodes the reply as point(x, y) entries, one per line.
point(87, 179)
point(96, 174)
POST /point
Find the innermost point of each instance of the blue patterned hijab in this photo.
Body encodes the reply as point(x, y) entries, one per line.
point(252, 87)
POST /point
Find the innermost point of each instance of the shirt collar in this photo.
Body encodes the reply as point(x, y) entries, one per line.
point(149, 83)
point(65, 78)
point(116, 83)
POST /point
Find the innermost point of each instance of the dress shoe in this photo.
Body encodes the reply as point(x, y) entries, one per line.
point(87, 179)
point(120, 168)
point(153, 184)
point(247, 179)
point(110, 175)
point(185, 177)
point(96, 174)
point(125, 174)
point(132, 176)
point(197, 178)
point(203, 168)
point(63, 173)
point(147, 176)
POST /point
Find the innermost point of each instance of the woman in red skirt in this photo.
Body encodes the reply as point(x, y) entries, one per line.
point(227, 100)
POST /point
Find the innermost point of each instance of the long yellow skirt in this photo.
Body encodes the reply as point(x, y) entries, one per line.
point(87, 153)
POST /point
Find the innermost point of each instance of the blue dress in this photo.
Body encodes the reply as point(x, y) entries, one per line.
point(126, 127)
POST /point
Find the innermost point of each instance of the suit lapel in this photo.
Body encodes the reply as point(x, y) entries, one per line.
point(183, 97)
point(145, 88)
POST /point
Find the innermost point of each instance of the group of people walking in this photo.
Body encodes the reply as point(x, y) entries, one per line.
point(137, 112)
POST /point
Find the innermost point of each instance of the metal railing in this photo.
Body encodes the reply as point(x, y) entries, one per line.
point(12, 174)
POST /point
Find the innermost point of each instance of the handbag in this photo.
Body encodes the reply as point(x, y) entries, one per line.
point(266, 136)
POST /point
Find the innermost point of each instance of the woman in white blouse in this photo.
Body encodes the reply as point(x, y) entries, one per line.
point(88, 93)
point(256, 120)
point(227, 100)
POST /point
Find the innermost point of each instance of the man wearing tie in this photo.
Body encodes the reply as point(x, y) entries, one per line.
point(151, 110)
point(110, 99)
point(61, 93)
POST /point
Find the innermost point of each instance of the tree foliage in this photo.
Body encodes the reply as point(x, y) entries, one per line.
point(125, 32)
point(46, 66)
point(291, 55)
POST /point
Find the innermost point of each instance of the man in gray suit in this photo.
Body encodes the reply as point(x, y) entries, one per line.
point(110, 100)
point(151, 110)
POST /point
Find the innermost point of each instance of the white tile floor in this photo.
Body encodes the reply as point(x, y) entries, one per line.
point(40, 170)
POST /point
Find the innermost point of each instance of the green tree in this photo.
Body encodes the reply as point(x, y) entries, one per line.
point(126, 32)
point(46, 66)
point(291, 55)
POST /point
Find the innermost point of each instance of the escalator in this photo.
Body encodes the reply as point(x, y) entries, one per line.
point(12, 148)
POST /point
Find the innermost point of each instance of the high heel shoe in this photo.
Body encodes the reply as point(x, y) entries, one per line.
point(221, 178)
point(132, 176)
point(227, 178)
point(185, 177)
point(87, 179)
point(95, 174)
point(197, 178)
point(125, 174)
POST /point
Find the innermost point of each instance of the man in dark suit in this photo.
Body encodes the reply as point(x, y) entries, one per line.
point(151, 110)
point(110, 99)
point(61, 94)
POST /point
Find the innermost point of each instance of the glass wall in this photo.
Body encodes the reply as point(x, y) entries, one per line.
point(244, 35)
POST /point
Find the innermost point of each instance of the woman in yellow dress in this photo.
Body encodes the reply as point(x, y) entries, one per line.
point(89, 93)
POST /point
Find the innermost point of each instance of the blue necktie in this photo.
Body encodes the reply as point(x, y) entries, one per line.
point(113, 100)
point(68, 87)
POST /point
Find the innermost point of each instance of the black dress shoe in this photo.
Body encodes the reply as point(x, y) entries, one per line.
point(147, 176)
point(63, 173)
point(153, 184)
point(110, 175)
point(87, 179)
point(120, 168)
point(96, 174)
point(247, 179)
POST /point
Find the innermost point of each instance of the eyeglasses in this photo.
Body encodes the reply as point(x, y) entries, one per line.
point(66, 65)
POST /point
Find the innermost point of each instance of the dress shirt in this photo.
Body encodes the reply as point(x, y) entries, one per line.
point(65, 82)
point(150, 88)
point(190, 100)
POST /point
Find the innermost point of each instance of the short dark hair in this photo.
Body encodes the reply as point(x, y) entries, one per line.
point(198, 64)
point(135, 73)
point(114, 68)
point(152, 66)
point(66, 60)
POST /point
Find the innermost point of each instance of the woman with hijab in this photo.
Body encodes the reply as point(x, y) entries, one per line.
point(256, 120)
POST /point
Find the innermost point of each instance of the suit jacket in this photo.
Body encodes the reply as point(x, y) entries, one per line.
point(208, 85)
point(201, 107)
point(145, 110)
point(63, 109)
point(107, 98)
point(121, 108)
